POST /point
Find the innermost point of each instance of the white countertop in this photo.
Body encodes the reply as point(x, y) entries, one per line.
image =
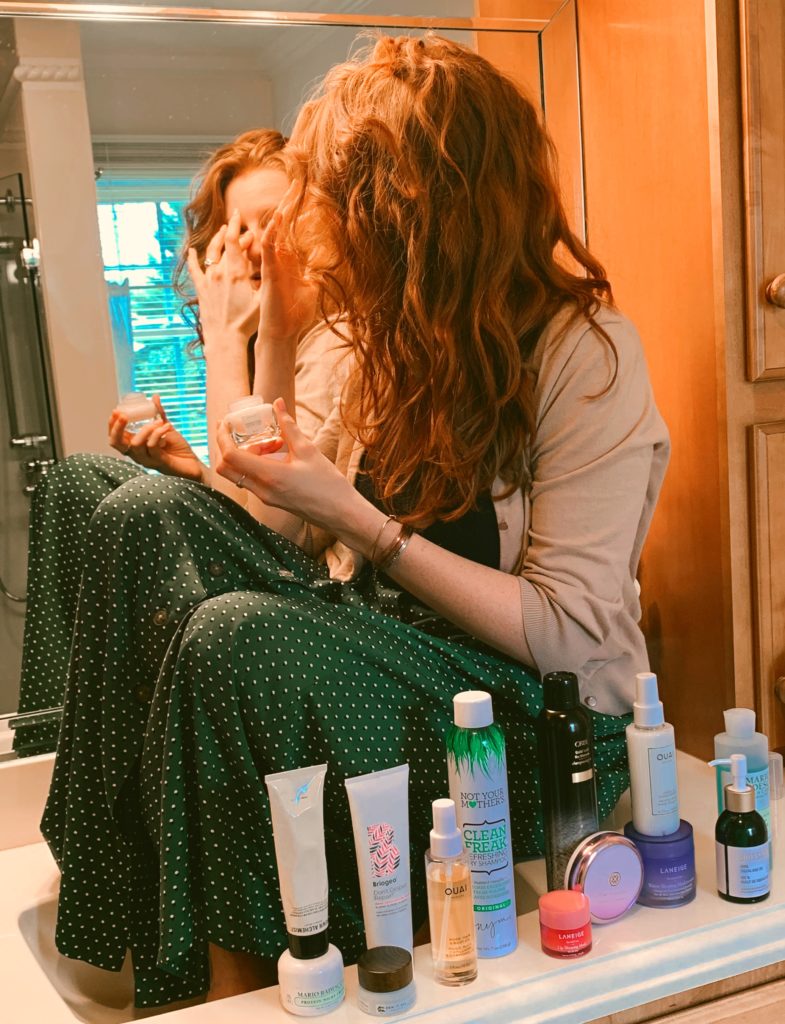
point(648, 954)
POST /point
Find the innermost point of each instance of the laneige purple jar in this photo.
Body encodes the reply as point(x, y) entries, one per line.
point(669, 866)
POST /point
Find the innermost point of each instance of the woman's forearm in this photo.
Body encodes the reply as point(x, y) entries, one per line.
point(274, 363)
point(226, 380)
point(484, 602)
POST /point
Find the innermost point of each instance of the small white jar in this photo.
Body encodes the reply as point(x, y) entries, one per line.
point(252, 421)
point(312, 987)
point(386, 981)
point(138, 409)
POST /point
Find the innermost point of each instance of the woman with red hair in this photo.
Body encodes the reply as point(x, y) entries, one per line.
point(470, 517)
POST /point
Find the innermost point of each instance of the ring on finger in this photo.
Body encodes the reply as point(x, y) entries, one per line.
point(127, 449)
point(208, 262)
point(240, 480)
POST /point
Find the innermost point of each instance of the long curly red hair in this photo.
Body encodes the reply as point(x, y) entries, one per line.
point(436, 185)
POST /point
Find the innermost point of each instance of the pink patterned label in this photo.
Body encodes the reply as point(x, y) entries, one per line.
point(385, 855)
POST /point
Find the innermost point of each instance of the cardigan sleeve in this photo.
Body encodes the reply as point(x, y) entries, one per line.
point(320, 371)
point(597, 459)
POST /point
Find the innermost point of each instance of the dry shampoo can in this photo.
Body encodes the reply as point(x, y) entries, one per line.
point(477, 767)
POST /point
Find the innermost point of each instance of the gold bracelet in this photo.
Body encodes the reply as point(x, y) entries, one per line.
point(396, 549)
point(385, 553)
point(385, 524)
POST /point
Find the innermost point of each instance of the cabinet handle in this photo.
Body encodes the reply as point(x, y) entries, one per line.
point(775, 291)
point(779, 689)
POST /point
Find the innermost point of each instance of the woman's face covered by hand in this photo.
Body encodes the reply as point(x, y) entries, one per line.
point(255, 195)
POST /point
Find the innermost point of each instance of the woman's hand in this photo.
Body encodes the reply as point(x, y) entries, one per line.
point(156, 445)
point(287, 298)
point(302, 482)
point(228, 301)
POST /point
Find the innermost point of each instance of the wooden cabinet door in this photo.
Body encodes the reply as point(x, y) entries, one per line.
point(763, 84)
point(762, 25)
point(768, 515)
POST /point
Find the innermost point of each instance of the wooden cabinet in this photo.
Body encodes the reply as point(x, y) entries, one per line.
point(762, 30)
point(683, 109)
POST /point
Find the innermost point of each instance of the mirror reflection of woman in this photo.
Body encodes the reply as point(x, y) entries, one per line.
point(237, 193)
point(468, 516)
point(239, 190)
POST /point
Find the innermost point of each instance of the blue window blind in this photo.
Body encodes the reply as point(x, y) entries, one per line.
point(140, 217)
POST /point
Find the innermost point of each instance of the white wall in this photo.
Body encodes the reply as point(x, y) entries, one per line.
point(177, 100)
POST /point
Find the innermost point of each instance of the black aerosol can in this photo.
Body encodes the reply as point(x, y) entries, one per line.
point(566, 755)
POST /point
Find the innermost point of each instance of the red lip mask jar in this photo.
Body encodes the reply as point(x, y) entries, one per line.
point(565, 923)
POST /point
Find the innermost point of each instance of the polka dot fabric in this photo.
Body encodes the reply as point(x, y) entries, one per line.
point(62, 504)
point(207, 652)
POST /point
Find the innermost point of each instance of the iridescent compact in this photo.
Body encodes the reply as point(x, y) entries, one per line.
point(608, 869)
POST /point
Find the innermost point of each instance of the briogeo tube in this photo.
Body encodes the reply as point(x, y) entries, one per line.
point(379, 803)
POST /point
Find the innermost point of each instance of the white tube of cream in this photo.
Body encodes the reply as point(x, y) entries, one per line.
point(297, 808)
point(379, 804)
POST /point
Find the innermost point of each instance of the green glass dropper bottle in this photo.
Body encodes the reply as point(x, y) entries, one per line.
point(741, 840)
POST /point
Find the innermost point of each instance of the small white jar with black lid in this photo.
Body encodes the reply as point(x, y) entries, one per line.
point(386, 978)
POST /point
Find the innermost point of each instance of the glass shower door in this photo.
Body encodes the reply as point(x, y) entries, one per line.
point(28, 442)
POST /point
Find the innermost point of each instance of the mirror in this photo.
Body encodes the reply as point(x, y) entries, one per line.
point(102, 129)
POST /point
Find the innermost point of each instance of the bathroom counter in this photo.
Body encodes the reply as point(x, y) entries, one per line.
point(647, 955)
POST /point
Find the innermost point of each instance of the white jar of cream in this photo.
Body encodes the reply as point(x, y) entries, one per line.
point(310, 986)
point(252, 421)
point(138, 409)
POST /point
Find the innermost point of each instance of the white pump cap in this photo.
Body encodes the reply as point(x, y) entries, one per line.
point(739, 796)
point(472, 709)
point(445, 838)
point(738, 771)
point(648, 706)
point(740, 723)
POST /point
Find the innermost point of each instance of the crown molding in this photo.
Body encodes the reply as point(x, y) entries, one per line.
point(48, 69)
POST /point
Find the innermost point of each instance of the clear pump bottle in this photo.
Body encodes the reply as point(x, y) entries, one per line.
point(740, 738)
point(450, 900)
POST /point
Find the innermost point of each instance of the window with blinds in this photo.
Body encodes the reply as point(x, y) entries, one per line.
point(140, 216)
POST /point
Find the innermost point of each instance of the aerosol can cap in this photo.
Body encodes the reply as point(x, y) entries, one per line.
point(472, 709)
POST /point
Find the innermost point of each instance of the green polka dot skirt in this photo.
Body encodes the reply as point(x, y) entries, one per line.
point(200, 651)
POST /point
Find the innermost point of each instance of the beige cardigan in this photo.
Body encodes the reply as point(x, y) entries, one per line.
point(574, 534)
